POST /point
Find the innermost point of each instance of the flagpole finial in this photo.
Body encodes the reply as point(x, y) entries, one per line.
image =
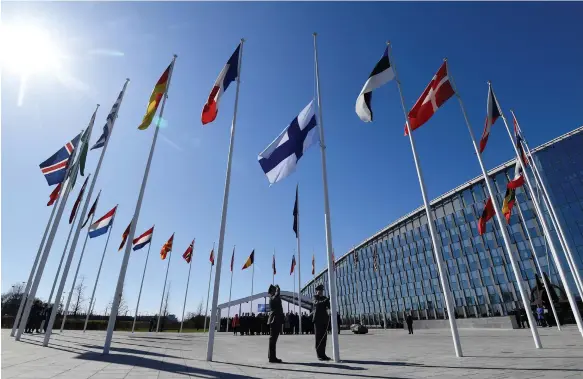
point(388, 42)
point(445, 59)
point(489, 83)
point(315, 34)
point(127, 80)
point(242, 40)
point(175, 56)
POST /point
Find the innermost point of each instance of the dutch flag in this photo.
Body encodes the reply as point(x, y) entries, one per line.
point(144, 239)
point(280, 158)
point(102, 225)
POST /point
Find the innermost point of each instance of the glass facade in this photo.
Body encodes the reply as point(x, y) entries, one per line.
point(477, 267)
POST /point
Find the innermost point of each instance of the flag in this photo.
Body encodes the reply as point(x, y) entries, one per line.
point(280, 158)
point(78, 201)
point(92, 210)
point(381, 74)
point(109, 121)
point(212, 257)
point(293, 264)
point(167, 247)
point(54, 195)
point(273, 265)
point(55, 167)
point(227, 75)
point(518, 180)
point(492, 114)
point(437, 92)
point(487, 214)
point(188, 253)
point(333, 262)
point(518, 137)
point(249, 260)
point(124, 236)
point(233, 259)
point(296, 213)
point(84, 148)
point(155, 97)
point(509, 200)
point(144, 239)
point(101, 226)
point(375, 259)
point(313, 264)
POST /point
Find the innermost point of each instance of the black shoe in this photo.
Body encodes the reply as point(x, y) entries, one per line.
point(325, 358)
point(275, 360)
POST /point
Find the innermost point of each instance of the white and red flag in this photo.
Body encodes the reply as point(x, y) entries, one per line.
point(492, 114)
point(228, 74)
point(437, 92)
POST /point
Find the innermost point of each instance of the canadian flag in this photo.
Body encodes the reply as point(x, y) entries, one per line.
point(437, 92)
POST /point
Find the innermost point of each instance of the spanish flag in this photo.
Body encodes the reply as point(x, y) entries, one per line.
point(509, 200)
point(157, 93)
point(249, 260)
point(167, 247)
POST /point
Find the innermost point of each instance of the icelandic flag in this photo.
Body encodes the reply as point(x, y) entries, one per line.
point(144, 239)
point(228, 75)
point(109, 121)
point(102, 225)
point(55, 167)
point(281, 157)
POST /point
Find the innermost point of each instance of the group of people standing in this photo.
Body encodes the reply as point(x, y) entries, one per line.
point(39, 312)
point(248, 324)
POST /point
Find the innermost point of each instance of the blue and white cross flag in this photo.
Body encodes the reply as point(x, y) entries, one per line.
point(280, 158)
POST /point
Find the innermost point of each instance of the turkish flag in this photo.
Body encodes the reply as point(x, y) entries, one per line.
point(437, 92)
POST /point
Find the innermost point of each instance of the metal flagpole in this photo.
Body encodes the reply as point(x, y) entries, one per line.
point(209, 293)
point(327, 221)
point(572, 300)
point(187, 283)
point(78, 267)
point(99, 269)
point(357, 280)
point(142, 283)
point(163, 291)
point(33, 270)
point(535, 257)
point(554, 219)
point(211, 339)
point(299, 266)
point(430, 221)
point(501, 223)
point(134, 222)
point(62, 259)
point(230, 289)
point(110, 122)
point(47, 248)
point(252, 280)
point(272, 271)
point(294, 293)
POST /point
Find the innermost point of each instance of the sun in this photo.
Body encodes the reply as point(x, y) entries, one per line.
point(27, 49)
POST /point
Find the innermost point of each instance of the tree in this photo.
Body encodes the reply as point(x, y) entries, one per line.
point(11, 299)
point(122, 309)
point(199, 308)
point(79, 294)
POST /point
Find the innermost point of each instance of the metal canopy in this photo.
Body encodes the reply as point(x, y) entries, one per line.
point(290, 297)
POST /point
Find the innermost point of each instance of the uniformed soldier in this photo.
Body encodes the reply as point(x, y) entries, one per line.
point(275, 321)
point(321, 319)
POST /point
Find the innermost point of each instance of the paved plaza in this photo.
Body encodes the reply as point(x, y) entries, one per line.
point(379, 354)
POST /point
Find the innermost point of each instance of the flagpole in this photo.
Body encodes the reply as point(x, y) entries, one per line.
point(501, 224)
point(535, 257)
point(33, 270)
point(134, 222)
point(142, 283)
point(327, 221)
point(538, 209)
point(230, 289)
point(209, 293)
point(357, 280)
point(294, 293)
point(78, 267)
point(299, 266)
point(187, 283)
point(47, 248)
point(430, 221)
point(554, 219)
point(378, 278)
point(252, 280)
point(272, 269)
point(62, 258)
point(163, 291)
point(211, 339)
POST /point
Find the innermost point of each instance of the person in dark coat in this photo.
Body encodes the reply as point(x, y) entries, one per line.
point(275, 321)
point(338, 321)
point(321, 319)
point(410, 323)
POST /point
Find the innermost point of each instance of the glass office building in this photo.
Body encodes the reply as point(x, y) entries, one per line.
point(478, 269)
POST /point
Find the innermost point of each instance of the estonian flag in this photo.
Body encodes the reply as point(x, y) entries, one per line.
point(280, 158)
point(380, 75)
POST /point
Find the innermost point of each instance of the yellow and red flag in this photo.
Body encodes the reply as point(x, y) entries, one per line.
point(155, 98)
point(188, 253)
point(167, 247)
point(249, 260)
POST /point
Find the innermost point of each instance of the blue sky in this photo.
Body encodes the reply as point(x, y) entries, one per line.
point(528, 51)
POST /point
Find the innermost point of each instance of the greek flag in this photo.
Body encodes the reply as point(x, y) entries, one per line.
point(281, 157)
point(109, 121)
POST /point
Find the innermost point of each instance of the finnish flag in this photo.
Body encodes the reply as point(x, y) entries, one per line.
point(280, 158)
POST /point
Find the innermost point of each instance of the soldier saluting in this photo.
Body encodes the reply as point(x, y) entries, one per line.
point(321, 319)
point(275, 320)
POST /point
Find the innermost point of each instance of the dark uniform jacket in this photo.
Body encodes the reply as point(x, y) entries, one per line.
point(275, 308)
point(320, 312)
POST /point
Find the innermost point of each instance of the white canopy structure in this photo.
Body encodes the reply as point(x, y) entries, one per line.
point(289, 297)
